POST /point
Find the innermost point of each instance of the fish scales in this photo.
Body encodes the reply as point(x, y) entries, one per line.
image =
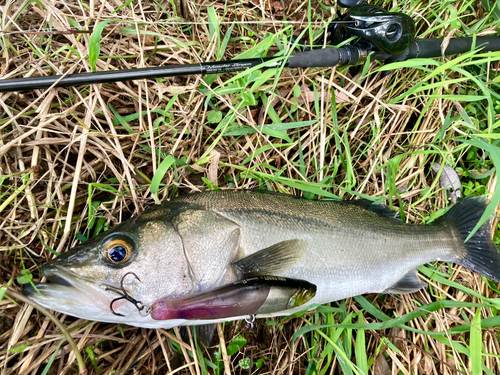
point(201, 248)
point(346, 244)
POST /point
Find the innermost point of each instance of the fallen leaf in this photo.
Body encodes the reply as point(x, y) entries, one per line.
point(172, 89)
point(213, 168)
point(341, 97)
point(253, 113)
point(428, 365)
point(307, 94)
point(277, 6)
point(396, 333)
point(197, 168)
point(380, 365)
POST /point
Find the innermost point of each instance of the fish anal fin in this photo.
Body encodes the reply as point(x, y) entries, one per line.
point(409, 283)
point(271, 260)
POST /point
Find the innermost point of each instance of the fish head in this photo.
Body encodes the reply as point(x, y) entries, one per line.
point(143, 257)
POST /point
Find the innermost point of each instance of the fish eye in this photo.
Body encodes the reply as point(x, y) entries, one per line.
point(118, 250)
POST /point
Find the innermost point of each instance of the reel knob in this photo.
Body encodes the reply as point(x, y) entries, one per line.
point(349, 3)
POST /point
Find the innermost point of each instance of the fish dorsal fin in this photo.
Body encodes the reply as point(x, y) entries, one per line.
point(271, 260)
point(379, 209)
point(409, 283)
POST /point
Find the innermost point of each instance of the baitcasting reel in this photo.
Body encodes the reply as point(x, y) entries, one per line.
point(387, 33)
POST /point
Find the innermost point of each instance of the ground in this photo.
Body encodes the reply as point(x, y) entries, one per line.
point(76, 161)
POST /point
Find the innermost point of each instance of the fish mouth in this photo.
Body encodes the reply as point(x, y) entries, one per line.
point(59, 280)
point(72, 294)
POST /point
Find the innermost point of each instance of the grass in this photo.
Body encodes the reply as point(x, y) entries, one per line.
point(76, 161)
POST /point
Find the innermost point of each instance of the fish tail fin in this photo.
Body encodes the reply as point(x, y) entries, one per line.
point(479, 253)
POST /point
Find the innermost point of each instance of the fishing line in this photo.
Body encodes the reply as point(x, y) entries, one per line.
point(75, 30)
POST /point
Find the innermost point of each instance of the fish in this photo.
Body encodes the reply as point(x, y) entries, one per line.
point(228, 255)
point(448, 180)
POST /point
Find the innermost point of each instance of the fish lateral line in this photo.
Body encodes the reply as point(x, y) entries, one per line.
point(251, 296)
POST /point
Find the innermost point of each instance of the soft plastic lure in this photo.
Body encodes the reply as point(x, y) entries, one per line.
point(255, 295)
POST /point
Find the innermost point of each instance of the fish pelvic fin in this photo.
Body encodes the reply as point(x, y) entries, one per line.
point(204, 333)
point(409, 283)
point(479, 253)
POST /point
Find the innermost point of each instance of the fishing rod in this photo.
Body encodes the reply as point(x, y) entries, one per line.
point(386, 36)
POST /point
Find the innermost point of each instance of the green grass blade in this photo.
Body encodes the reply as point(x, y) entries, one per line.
point(95, 43)
point(51, 360)
point(159, 174)
point(360, 348)
point(476, 344)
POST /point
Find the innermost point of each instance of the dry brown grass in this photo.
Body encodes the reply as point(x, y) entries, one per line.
point(54, 143)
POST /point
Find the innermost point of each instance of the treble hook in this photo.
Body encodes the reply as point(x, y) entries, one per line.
point(124, 295)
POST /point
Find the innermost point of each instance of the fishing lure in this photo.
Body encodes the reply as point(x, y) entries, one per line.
point(255, 295)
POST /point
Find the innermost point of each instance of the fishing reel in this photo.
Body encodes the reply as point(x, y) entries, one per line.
point(379, 31)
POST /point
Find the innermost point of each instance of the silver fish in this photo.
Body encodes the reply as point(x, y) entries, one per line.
point(449, 180)
point(258, 254)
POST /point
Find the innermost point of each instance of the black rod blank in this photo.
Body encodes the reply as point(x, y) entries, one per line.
point(23, 84)
point(315, 58)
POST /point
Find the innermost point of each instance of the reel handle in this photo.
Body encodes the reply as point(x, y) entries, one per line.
point(349, 3)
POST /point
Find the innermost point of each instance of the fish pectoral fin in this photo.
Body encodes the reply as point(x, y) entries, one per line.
point(272, 260)
point(409, 283)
